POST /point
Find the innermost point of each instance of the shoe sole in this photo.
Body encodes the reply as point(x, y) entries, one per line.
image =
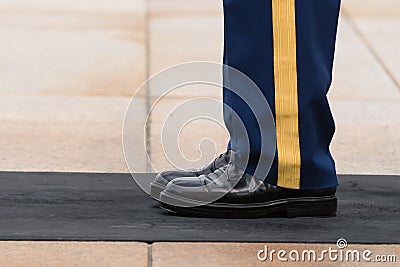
point(156, 189)
point(291, 207)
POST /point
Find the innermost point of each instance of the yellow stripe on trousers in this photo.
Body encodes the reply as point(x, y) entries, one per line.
point(286, 93)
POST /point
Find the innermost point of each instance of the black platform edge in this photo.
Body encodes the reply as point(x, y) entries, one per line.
point(97, 207)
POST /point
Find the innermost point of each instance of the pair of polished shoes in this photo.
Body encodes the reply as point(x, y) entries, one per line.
point(221, 190)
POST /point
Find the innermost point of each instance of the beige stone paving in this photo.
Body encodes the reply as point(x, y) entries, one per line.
point(245, 254)
point(49, 47)
point(364, 96)
point(374, 149)
point(68, 68)
point(72, 47)
point(185, 31)
point(367, 136)
point(372, 8)
point(361, 89)
point(54, 133)
point(23, 253)
point(378, 22)
point(357, 74)
point(65, 254)
point(186, 143)
point(380, 33)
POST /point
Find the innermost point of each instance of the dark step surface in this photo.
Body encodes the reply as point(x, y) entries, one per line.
point(96, 206)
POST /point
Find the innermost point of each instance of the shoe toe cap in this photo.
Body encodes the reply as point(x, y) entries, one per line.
point(185, 182)
point(167, 176)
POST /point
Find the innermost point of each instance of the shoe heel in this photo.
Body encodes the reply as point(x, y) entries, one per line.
point(313, 208)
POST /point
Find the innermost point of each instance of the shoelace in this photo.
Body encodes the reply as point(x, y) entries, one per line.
point(214, 163)
point(216, 174)
point(231, 175)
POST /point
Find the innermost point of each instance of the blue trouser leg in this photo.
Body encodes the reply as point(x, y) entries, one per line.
point(287, 48)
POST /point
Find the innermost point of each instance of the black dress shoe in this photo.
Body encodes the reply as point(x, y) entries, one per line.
point(163, 178)
point(249, 197)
